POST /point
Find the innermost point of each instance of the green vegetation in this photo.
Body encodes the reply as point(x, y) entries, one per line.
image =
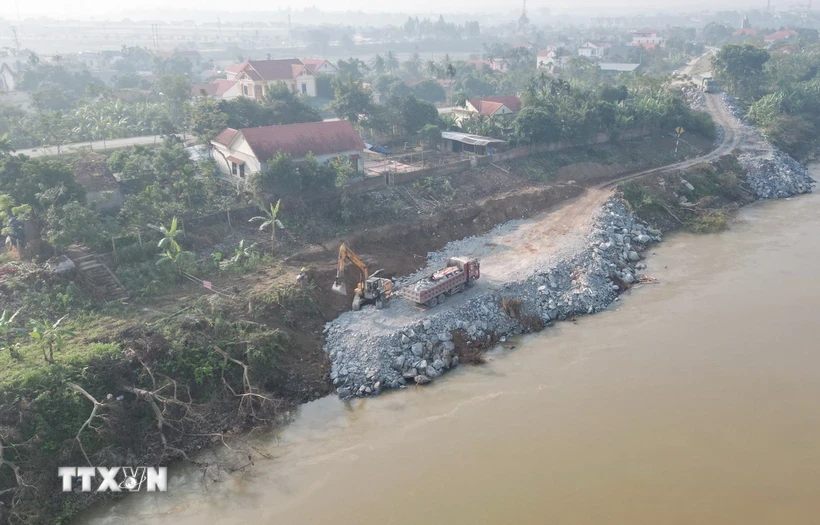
point(555, 110)
point(779, 89)
point(668, 202)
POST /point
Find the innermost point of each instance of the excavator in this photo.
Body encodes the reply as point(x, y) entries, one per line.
point(371, 288)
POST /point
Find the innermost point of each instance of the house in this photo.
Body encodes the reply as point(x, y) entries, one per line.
point(591, 50)
point(618, 67)
point(255, 77)
point(219, 88)
point(780, 35)
point(102, 190)
point(550, 60)
point(457, 142)
point(91, 59)
point(494, 106)
point(647, 38)
point(478, 64)
point(320, 66)
point(240, 152)
point(499, 64)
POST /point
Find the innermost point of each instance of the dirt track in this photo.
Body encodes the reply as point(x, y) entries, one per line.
point(512, 249)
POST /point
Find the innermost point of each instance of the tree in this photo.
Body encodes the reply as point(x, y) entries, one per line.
point(49, 335)
point(352, 68)
point(740, 67)
point(270, 220)
point(351, 100)
point(71, 223)
point(205, 120)
point(286, 108)
point(429, 90)
point(379, 64)
point(412, 114)
point(391, 62)
point(430, 136)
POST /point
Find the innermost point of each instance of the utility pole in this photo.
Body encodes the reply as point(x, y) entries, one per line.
point(16, 40)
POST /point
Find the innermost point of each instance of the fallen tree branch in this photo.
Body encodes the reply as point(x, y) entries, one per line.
point(96, 406)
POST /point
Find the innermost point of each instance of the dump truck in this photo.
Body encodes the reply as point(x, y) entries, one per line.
point(458, 274)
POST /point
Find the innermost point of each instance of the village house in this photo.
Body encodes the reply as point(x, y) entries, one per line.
point(494, 106)
point(502, 107)
point(255, 77)
point(320, 66)
point(219, 88)
point(592, 50)
point(647, 38)
point(240, 152)
point(550, 60)
point(777, 36)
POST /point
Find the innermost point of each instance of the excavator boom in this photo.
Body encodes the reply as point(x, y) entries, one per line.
point(346, 253)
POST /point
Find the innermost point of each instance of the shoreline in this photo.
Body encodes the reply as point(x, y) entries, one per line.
point(371, 351)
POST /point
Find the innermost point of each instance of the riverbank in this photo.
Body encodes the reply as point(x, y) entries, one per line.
point(527, 285)
point(688, 401)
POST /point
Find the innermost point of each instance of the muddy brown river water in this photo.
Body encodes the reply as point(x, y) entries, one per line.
point(693, 401)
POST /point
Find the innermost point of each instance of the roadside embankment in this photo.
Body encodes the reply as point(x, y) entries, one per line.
point(573, 261)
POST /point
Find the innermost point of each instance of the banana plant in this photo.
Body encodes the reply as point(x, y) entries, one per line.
point(269, 220)
point(51, 336)
point(8, 331)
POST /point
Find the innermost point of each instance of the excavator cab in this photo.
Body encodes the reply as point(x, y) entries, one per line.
point(371, 288)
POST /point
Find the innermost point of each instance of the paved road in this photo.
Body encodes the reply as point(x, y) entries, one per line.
point(96, 146)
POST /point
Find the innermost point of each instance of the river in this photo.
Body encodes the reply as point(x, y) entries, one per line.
point(694, 400)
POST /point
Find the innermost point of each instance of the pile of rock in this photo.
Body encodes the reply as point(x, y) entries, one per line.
point(581, 283)
point(772, 174)
point(775, 175)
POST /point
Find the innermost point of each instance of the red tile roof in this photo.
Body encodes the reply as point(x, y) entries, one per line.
point(781, 35)
point(275, 69)
point(210, 89)
point(226, 136)
point(236, 68)
point(313, 64)
point(489, 105)
point(215, 89)
point(297, 140)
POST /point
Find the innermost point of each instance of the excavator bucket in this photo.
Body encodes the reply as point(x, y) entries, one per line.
point(339, 288)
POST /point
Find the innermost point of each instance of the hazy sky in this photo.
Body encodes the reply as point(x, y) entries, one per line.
point(114, 9)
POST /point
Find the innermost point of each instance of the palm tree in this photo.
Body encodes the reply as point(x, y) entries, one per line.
point(450, 71)
point(49, 335)
point(269, 220)
point(7, 331)
point(391, 62)
point(379, 64)
point(431, 68)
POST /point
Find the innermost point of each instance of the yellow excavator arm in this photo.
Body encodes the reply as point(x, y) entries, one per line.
point(346, 254)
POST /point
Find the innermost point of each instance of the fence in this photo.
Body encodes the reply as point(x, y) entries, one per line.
point(389, 179)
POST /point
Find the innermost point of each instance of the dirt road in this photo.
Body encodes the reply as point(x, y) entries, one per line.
point(513, 250)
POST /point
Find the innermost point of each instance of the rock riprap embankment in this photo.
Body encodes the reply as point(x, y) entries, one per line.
point(771, 173)
point(367, 361)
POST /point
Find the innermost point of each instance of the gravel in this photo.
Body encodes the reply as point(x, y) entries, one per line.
point(772, 174)
point(372, 350)
point(368, 356)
